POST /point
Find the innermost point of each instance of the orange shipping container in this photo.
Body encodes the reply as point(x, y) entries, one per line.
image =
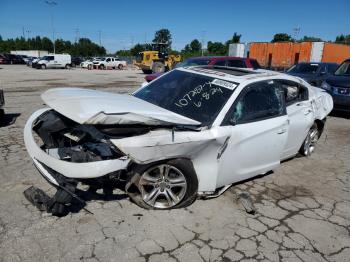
point(285, 54)
point(335, 53)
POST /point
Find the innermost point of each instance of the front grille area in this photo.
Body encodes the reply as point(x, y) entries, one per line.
point(341, 91)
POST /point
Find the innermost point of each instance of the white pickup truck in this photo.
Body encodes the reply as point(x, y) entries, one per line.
point(110, 62)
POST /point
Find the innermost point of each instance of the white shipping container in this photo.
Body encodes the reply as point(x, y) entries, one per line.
point(35, 53)
point(238, 50)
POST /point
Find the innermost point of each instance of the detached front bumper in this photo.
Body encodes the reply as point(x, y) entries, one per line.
point(42, 160)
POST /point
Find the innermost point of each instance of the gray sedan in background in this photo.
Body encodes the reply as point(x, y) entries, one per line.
point(313, 73)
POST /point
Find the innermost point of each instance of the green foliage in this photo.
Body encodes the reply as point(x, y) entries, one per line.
point(85, 47)
point(217, 48)
point(123, 53)
point(310, 39)
point(343, 39)
point(236, 38)
point(282, 37)
point(163, 36)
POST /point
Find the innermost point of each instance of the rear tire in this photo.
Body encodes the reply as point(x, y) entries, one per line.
point(152, 187)
point(158, 67)
point(308, 146)
point(2, 115)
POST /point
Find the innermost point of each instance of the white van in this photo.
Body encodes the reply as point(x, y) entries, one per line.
point(55, 61)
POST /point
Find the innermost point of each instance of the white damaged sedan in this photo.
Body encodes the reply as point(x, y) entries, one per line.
point(193, 131)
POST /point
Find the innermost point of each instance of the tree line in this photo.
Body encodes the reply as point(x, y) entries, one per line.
point(194, 48)
point(84, 47)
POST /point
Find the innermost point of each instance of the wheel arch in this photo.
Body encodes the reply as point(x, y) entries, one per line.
point(320, 125)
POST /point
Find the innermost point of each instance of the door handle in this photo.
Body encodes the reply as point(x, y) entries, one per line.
point(282, 131)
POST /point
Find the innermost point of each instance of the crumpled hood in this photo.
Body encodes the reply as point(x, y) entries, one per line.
point(86, 106)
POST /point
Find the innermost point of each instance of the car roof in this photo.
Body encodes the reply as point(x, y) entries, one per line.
point(218, 58)
point(234, 74)
point(319, 63)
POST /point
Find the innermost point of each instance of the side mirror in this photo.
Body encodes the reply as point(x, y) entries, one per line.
point(232, 122)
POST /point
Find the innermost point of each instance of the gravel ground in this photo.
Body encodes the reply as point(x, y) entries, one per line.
point(303, 207)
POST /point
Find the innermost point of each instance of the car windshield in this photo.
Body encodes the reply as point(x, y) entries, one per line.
point(192, 95)
point(344, 69)
point(194, 62)
point(304, 68)
point(44, 58)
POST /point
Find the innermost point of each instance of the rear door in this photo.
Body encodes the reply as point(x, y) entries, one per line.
point(258, 126)
point(300, 115)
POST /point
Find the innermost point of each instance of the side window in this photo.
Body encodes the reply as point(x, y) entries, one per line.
point(50, 58)
point(108, 60)
point(332, 68)
point(257, 102)
point(254, 64)
point(293, 92)
point(220, 63)
point(236, 63)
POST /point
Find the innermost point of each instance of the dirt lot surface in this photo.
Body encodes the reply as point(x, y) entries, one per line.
point(303, 208)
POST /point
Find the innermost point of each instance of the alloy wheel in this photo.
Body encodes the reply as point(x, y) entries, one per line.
point(162, 186)
point(310, 141)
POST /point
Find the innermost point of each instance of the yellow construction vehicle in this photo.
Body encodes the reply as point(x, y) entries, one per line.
point(157, 61)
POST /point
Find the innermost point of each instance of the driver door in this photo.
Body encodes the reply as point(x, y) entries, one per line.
point(258, 125)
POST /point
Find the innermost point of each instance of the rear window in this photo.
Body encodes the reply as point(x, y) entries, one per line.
point(236, 63)
point(304, 68)
point(192, 95)
point(254, 64)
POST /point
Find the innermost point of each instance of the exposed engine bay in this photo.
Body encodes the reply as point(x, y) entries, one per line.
point(72, 142)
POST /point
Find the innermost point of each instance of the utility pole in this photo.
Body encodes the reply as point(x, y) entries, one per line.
point(28, 32)
point(24, 36)
point(296, 31)
point(132, 41)
point(99, 36)
point(77, 35)
point(52, 4)
point(203, 40)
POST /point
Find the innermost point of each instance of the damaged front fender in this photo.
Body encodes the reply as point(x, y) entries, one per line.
point(200, 147)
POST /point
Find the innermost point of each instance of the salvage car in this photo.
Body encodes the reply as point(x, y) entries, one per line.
point(192, 132)
point(314, 73)
point(338, 86)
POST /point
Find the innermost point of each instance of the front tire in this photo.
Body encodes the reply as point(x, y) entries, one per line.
point(308, 147)
point(120, 66)
point(67, 66)
point(43, 66)
point(164, 185)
